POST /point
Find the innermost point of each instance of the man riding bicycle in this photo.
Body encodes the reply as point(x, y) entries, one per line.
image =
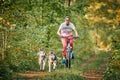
point(65, 30)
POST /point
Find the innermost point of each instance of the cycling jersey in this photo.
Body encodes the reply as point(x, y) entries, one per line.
point(66, 30)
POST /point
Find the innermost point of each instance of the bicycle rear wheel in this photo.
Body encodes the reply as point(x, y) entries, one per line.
point(68, 61)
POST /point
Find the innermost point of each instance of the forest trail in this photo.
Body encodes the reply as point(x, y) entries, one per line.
point(94, 74)
point(91, 74)
point(89, 60)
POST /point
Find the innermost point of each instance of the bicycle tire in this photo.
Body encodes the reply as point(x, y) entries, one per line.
point(68, 60)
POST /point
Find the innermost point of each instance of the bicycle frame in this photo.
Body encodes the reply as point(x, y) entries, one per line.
point(68, 55)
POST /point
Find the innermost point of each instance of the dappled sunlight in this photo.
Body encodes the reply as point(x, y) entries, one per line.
point(5, 24)
point(94, 16)
point(103, 47)
point(1, 18)
point(94, 36)
point(95, 6)
point(110, 0)
point(100, 45)
point(110, 10)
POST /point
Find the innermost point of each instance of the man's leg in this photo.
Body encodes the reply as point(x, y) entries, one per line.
point(71, 45)
point(71, 41)
point(64, 43)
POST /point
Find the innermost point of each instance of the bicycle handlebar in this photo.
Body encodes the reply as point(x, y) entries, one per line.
point(74, 37)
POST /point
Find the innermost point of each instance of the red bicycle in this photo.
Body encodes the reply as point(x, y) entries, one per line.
point(68, 52)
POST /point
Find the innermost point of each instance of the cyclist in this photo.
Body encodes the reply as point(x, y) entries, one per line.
point(65, 30)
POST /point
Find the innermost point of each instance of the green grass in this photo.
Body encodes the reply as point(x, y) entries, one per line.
point(65, 74)
point(97, 62)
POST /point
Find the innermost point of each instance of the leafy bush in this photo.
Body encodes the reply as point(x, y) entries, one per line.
point(113, 69)
point(21, 62)
point(5, 72)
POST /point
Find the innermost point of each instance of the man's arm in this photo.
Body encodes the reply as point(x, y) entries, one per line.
point(74, 29)
point(76, 33)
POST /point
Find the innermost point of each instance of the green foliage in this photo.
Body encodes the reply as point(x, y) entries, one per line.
point(113, 67)
point(23, 62)
point(5, 71)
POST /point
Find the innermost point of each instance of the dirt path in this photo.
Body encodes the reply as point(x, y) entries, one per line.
point(32, 74)
point(93, 74)
point(89, 60)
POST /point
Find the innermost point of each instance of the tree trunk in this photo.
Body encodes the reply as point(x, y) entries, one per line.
point(68, 2)
point(3, 44)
